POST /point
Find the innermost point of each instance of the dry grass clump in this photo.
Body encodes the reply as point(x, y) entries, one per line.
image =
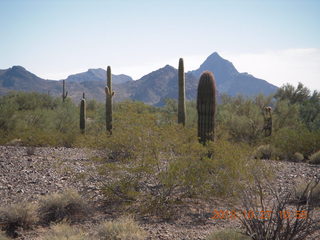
point(20, 215)
point(124, 228)
point(227, 234)
point(58, 206)
point(265, 152)
point(315, 158)
point(3, 236)
point(63, 231)
point(297, 157)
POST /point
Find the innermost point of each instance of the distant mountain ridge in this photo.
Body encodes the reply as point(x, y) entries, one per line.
point(153, 88)
point(98, 74)
point(230, 81)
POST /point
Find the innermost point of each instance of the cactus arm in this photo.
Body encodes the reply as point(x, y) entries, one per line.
point(106, 89)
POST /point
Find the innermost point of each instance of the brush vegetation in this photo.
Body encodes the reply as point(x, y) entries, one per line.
point(153, 162)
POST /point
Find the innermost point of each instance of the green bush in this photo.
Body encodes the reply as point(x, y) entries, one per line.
point(242, 118)
point(124, 228)
point(315, 158)
point(7, 114)
point(285, 115)
point(227, 235)
point(156, 165)
point(38, 119)
point(289, 141)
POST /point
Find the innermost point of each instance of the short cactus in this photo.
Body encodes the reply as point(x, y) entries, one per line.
point(267, 128)
point(206, 107)
point(83, 114)
point(64, 92)
point(181, 102)
point(109, 95)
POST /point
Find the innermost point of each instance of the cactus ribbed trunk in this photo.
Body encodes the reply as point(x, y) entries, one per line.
point(109, 95)
point(83, 114)
point(267, 121)
point(206, 107)
point(182, 95)
point(64, 92)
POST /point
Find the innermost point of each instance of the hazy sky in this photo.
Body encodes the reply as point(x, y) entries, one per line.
point(278, 41)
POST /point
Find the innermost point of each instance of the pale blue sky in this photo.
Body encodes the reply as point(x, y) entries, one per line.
point(56, 38)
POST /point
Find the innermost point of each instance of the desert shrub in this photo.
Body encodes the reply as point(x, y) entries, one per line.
point(7, 111)
point(286, 115)
point(315, 158)
point(313, 189)
point(157, 165)
point(297, 157)
point(30, 101)
point(41, 137)
point(59, 206)
point(192, 115)
point(123, 189)
point(92, 105)
point(290, 141)
point(66, 117)
point(310, 111)
point(227, 235)
point(266, 152)
point(242, 118)
point(214, 170)
point(124, 228)
point(276, 216)
point(308, 103)
point(38, 119)
point(63, 231)
point(20, 215)
point(169, 111)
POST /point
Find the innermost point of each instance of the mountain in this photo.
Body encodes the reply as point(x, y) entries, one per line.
point(158, 85)
point(230, 81)
point(19, 79)
point(152, 88)
point(98, 74)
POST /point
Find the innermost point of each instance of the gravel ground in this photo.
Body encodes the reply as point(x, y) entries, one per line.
point(25, 175)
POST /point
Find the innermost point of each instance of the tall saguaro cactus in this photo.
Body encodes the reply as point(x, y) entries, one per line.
point(109, 95)
point(267, 121)
point(83, 114)
point(182, 95)
point(206, 107)
point(64, 92)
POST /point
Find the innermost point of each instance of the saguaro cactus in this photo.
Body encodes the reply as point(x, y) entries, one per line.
point(109, 95)
point(206, 107)
point(267, 114)
point(64, 92)
point(182, 95)
point(83, 114)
